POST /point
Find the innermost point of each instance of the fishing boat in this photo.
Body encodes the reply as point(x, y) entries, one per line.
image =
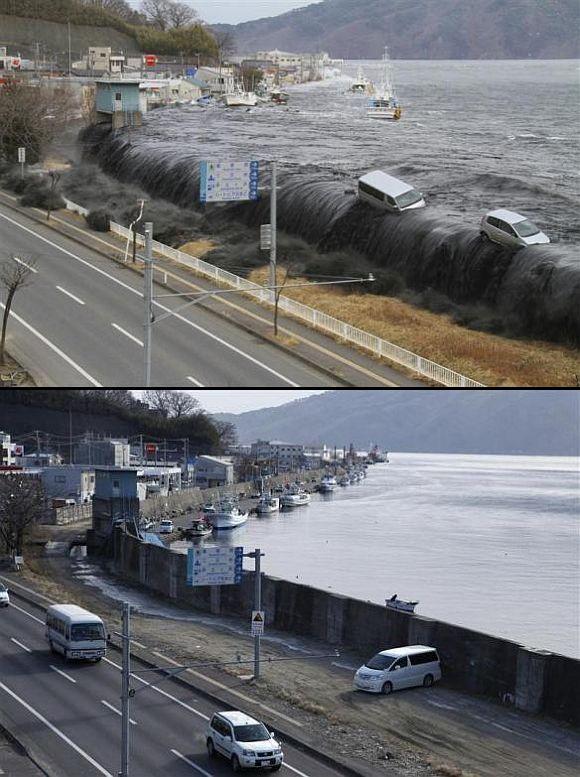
point(394, 603)
point(361, 84)
point(328, 484)
point(295, 496)
point(228, 515)
point(199, 528)
point(239, 98)
point(344, 481)
point(267, 504)
point(383, 103)
point(208, 509)
point(278, 97)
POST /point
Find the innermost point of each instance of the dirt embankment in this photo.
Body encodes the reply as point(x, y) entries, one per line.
point(409, 734)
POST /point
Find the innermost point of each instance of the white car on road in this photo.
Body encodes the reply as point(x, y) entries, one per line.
point(166, 526)
point(4, 598)
point(245, 742)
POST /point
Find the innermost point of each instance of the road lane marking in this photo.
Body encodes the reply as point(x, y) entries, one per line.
point(34, 618)
point(64, 674)
point(158, 304)
point(127, 334)
point(159, 690)
point(293, 769)
point(56, 731)
point(195, 766)
point(194, 381)
point(32, 269)
point(52, 346)
point(16, 642)
point(24, 588)
point(116, 711)
point(72, 296)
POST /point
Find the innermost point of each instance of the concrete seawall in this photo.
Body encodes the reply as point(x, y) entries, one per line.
point(535, 681)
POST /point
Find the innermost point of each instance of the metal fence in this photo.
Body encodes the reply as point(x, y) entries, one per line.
point(314, 318)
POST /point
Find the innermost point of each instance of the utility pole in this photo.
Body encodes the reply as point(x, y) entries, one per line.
point(256, 555)
point(125, 691)
point(147, 297)
point(37, 443)
point(70, 445)
point(273, 203)
point(69, 53)
point(141, 446)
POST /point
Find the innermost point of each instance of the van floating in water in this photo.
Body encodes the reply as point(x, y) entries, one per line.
point(388, 193)
point(510, 229)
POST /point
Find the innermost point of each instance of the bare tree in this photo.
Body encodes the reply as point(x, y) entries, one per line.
point(157, 11)
point(14, 274)
point(171, 403)
point(225, 44)
point(181, 15)
point(21, 505)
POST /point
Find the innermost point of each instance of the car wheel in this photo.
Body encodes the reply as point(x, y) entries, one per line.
point(210, 748)
point(387, 689)
point(276, 768)
point(236, 766)
point(428, 681)
point(51, 646)
point(484, 237)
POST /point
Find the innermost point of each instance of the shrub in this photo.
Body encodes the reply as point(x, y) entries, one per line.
point(99, 220)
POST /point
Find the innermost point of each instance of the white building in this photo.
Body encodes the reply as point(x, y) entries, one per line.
point(9, 450)
point(281, 456)
point(213, 471)
point(164, 91)
point(8, 62)
point(69, 481)
point(158, 480)
point(219, 80)
point(107, 453)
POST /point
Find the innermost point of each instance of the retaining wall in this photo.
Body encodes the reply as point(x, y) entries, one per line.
point(535, 681)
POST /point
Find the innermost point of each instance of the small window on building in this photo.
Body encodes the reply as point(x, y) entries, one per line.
point(118, 96)
point(115, 484)
point(102, 55)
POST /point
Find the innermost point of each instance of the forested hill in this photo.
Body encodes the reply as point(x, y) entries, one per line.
point(421, 29)
point(510, 421)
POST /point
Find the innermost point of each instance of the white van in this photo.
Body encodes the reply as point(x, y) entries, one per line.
point(74, 632)
point(511, 229)
point(397, 668)
point(388, 193)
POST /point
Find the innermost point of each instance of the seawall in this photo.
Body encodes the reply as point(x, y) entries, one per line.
point(535, 681)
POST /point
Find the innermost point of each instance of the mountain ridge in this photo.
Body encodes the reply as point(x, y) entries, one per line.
point(419, 29)
point(502, 421)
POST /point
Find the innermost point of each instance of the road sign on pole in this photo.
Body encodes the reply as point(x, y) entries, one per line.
point(226, 181)
point(22, 159)
point(266, 237)
point(258, 618)
point(214, 566)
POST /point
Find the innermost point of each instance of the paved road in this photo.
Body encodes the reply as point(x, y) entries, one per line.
point(70, 712)
point(80, 322)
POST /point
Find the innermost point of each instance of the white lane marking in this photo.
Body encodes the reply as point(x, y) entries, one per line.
point(127, 334)
point(24, 588)
point(34, 618)
point(52, 346)
point(139, 644)
point(32, 269)
point(350, 667)
point(116, 711)
point(16, 642)
point(194, 381)
point(64, 674)
point(293, 769)
point(440, 704)
point(69, 294)
point(159, 690)
point(194, 766)
point(158, 304)
point(57, 731)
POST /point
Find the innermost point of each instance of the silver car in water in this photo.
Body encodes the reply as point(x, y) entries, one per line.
point(511, 229)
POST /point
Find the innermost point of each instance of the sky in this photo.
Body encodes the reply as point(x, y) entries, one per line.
point(241, 400)
point(234, 11)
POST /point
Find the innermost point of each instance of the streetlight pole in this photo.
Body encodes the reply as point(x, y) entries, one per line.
point(273, 204)
point(125, 692)
point(148, 299)
point(256, 555)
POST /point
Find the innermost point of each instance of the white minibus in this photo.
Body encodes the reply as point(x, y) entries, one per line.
point(388, 193)
point(74, 632)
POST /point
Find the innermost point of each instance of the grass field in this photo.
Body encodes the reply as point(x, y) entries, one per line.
point(490, 359)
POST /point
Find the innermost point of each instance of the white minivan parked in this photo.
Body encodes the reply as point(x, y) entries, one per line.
point(402, 667)
point(388, 193)
point(511, 229)
point(74, 632)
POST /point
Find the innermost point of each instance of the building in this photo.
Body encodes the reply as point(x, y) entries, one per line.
point(108, 453)
point(69, 481)
point(8, 62)
point(39, 460)
point(219, 80)
point(279, 456)
point(119, 103)
point(115, 499)
point(164, 91)
point(213, 471)
point(9, 450)
point(158, 480)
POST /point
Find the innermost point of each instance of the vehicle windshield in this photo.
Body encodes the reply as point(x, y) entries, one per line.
point(379, 662)
point(408, 198)
point(2, 588)
point(526, 228)
point(254, 733)
point(84, 632)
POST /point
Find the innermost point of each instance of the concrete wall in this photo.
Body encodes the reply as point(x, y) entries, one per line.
point(71, 514)
point(534, 681)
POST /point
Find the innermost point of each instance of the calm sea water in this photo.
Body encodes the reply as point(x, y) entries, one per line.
point(487, 542)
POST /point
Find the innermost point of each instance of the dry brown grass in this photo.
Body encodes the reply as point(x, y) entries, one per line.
point(198, 247)
point(489, 359)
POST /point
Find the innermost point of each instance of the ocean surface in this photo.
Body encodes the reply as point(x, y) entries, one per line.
point(474, 136)
point(488, 542)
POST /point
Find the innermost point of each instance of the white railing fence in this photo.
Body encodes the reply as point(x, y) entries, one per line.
point(315, 318)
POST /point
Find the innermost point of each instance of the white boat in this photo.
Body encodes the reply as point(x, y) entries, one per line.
point(344, 481)
point(328, 484)
point(239, 98)
point(361, 84)
point(383, 103)
point(267, 504)
point(228, 515)
point(208, 509)
point(395, 603)
point(295, 497)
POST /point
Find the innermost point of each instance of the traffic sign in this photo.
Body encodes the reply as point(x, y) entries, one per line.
point(214, 565)
point(266, 237)
point(22, 154)
point(222, 180)
point(258, 618)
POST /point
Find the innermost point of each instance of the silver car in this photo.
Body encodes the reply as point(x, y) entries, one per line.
point(4, 597)
point(511, 229)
